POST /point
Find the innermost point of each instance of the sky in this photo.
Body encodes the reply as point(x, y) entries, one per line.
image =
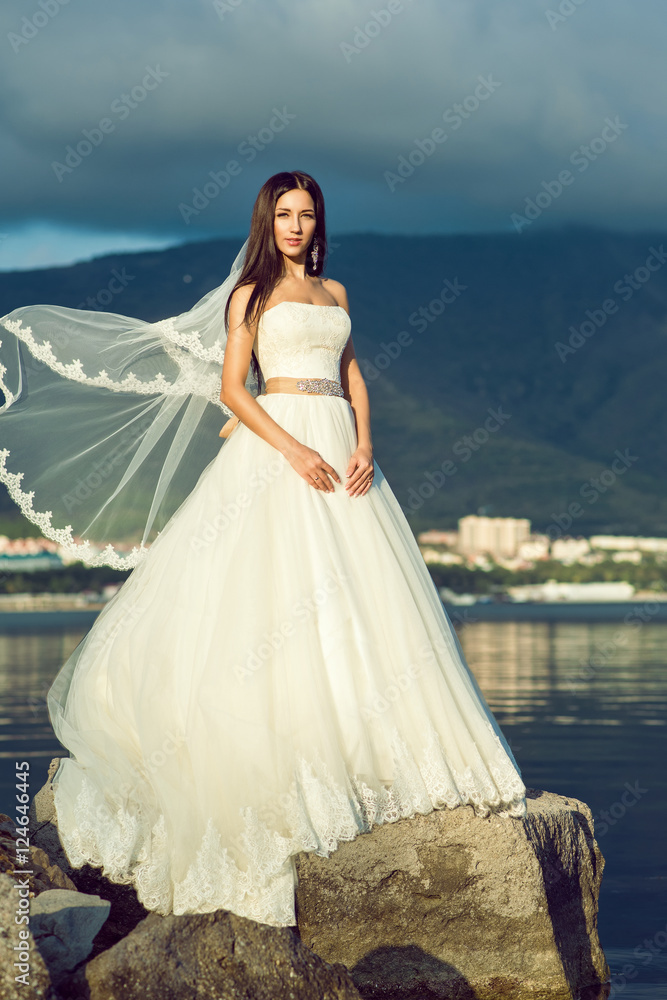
point(149, 123)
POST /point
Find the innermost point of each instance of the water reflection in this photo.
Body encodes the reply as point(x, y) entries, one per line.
point(28, 664)
point(565, 673)
point(583, 705)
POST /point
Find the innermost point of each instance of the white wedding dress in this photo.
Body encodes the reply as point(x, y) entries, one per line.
point(276, 676)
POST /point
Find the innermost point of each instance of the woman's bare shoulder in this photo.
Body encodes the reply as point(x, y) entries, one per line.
point(337, 289)
point(238, 303)
point(241, 296)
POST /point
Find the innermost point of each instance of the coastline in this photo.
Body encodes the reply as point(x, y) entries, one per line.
point(74, 615)
point(558, 611)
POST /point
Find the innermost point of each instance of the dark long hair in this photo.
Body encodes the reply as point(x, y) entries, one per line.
point(264, 264)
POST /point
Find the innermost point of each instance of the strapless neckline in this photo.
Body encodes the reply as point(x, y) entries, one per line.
point(290, 302)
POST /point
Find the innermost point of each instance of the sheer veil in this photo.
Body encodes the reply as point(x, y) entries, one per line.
point(108, 421)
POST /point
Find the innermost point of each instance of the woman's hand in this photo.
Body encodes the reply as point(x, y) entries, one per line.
point(311, 466)
point(359, 472)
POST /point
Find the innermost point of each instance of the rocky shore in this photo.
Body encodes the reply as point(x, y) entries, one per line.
point(446, 906)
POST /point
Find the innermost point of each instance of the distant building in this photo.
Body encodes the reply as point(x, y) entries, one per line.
point(498, 537)
point(21, 555)
point(432, 556)
point(435, 537)
point(553, 590)
point(29, 563)
point(633, 556)
point(537, 547)
point(569, 550)
point(619, 543)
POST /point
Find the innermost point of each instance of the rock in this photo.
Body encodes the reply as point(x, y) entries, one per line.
point(447, 905)
point(37, 984)
point(210, 956)
point(44, 874)
point(126, 910)
point(451, 905)
point(64, 924)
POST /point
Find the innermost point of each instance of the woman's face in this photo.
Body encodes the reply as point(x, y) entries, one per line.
point(294, 224)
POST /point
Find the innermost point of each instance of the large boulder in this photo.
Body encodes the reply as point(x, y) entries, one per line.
point(23, 973)
point(43, 873)
point(210, 956)
point(447, 905)
point(64, 924)
point(451, 905)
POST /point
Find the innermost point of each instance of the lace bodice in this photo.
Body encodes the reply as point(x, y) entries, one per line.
point(302, 340)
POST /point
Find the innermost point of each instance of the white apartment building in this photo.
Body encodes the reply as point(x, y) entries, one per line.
point(497, 536)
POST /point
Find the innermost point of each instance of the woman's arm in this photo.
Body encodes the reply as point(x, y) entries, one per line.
point(359, 472)
point(233, 393)
point(357, 394)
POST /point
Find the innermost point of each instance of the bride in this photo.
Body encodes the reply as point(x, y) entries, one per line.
point(277, 674)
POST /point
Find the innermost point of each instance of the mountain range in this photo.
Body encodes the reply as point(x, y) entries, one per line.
point(519, 374)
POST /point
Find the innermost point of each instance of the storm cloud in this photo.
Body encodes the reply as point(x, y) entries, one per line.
point(157, 122)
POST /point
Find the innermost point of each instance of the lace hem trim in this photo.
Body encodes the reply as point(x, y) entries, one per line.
point(317, 811)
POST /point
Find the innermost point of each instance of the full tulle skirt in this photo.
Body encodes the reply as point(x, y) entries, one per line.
point(278, 675)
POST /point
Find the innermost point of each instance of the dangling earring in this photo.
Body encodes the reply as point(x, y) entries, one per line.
point(315, 252)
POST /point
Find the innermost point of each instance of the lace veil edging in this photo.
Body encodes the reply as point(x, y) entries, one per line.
point(108, 421)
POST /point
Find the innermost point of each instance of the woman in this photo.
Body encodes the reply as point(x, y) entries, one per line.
point(278, 673)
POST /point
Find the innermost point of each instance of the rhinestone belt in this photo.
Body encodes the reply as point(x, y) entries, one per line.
point(322, 386)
